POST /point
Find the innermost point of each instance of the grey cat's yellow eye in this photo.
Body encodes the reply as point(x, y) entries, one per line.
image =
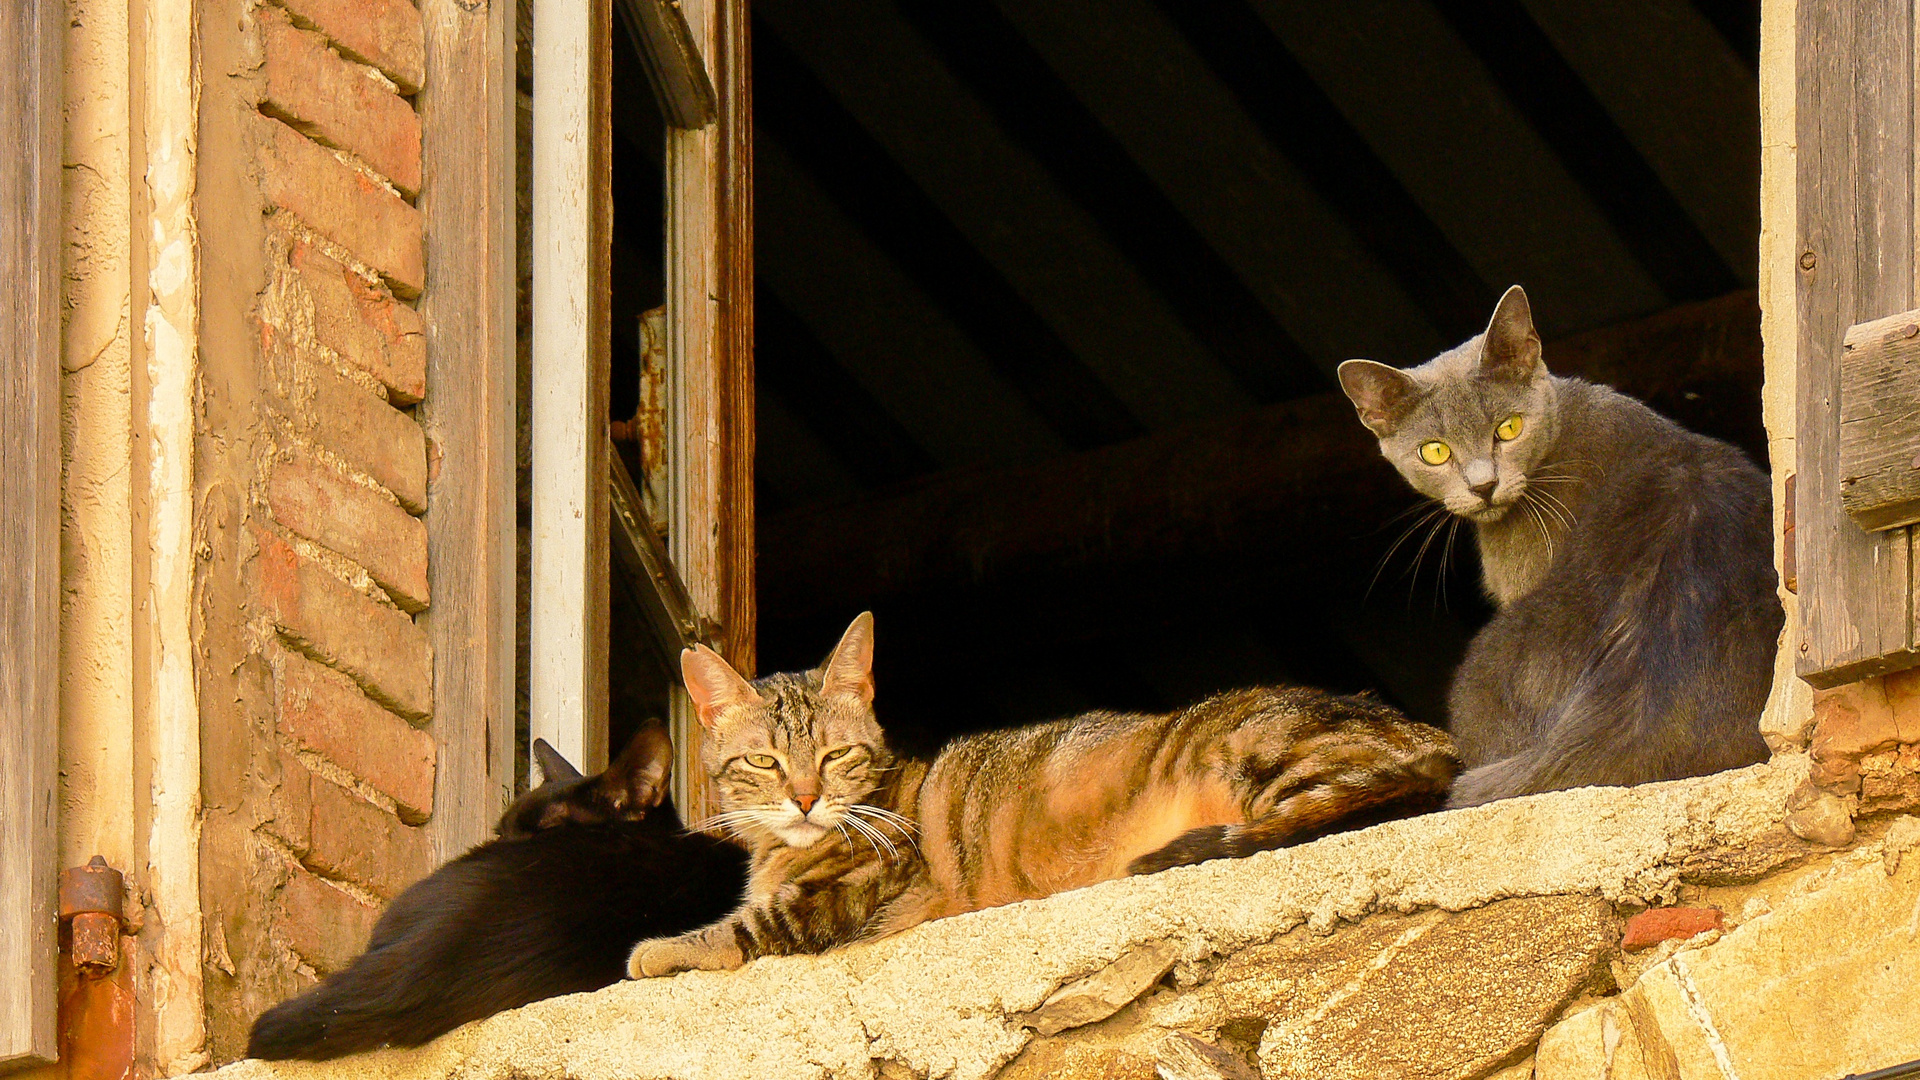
point(835, 755)
point(1435, 452)
point(761, 761)
point(1509, 428)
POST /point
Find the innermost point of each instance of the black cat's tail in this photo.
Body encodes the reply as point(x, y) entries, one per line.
point(364, 1007)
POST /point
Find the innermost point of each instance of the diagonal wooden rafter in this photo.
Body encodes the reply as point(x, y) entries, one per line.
point(1298, 118)
point(898, 217)
point(1041, 115)
point(1540, 83)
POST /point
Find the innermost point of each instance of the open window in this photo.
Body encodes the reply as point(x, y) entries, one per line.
point(637, 508)
point(1050, 298)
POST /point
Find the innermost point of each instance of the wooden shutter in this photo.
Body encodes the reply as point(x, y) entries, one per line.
point(1855, 119)
point(29, 521)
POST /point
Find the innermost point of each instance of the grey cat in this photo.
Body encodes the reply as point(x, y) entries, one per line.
point(1631, 561)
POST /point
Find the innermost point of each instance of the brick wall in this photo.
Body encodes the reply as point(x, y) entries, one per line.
point(318, 698)
point(1864, 739)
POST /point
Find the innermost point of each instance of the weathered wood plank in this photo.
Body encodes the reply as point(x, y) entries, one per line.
point(675, 69)
point(710, 361)
point(467, 120)
point(1880, 422)
point(1854, 119)
point(30, 250)
point(641, 560)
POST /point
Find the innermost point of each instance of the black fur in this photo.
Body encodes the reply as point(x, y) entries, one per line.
point(584, 869)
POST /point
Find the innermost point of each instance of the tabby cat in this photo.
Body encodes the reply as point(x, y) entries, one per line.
point(850, 844)
point(1631, 561)
point(583, 868)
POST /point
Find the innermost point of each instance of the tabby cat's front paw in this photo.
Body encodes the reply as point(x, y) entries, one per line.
point(668, 956)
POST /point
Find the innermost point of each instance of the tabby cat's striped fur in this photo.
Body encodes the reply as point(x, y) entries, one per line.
point(850, 844)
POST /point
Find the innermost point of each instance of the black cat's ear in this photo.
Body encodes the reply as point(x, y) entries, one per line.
point(1382, 395)
point(1512, 350)
point(713, 684)
point(637, 779)
point(850, 669)
point(553, 767)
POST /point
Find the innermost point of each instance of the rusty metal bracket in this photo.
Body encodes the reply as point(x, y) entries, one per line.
point(90, 903)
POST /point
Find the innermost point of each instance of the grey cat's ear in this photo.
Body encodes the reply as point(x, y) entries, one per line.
point(1382, 395)
point(713, 684)
point(850, 669)
point(637, 779)
point(553, 767)
point(1512, 350)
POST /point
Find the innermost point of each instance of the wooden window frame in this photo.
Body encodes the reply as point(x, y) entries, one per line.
point(584, 511)
point(30, 261)
point(1855, 96)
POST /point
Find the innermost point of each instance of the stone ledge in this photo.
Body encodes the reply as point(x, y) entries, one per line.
point(944, 1000)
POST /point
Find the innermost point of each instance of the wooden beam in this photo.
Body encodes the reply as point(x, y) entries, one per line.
point(1298, 118)
point(30, 257)
point(675, 70)
point(1295, 491)
point(897, 216)
point(641, 564)
point(467, 121)
point(1545, 88)
point(1040, 113)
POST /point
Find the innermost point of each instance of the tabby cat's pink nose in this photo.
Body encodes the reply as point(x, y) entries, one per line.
point(806, 802)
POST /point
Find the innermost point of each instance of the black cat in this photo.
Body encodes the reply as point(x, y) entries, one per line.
point(583, 869)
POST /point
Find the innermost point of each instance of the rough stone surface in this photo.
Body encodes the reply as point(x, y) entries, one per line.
point(309, 86)
point(348, 207)
point(1818, 815)
point(323, 711)
point(1651, 927)
point(361, 322)
point(1824, 984)
point(355, 520)
point(378, 646)
point(326, 926)
point(940, 1000)
point(385, 34)
point(1103, 993)
point(1890, 780)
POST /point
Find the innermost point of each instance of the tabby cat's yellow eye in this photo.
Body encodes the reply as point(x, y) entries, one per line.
point(1509, 428)
point(1435, 452)
point(834, 755)
point(761, 761)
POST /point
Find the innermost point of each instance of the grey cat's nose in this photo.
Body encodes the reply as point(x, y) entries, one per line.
point(805, 802)
point(1485, 491)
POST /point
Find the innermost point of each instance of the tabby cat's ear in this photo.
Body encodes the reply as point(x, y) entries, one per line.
point(850, 669)
point(1382, 395)
point(713, 684)
point(553, 767)
point(1512, 350)
point(637, 779)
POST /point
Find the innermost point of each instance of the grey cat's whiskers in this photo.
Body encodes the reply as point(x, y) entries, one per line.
point(1446, 561)
point(1434, 512)
point(1551, 502)
point(1420, 556)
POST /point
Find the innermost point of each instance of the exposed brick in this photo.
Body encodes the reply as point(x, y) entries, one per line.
point(354, 520)
point(1890, 780)
point(323, 711)
point(364, 323)
point(385, 34)
point(1653, 926)
point(380, 647)
point(326, 926)
point(367, 433)
point(359, 842)
point(309, 86)
point(348, 207)
point(1864, 716)
point(292, 803)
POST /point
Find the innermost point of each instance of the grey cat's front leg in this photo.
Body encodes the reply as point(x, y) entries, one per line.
point(710, 948)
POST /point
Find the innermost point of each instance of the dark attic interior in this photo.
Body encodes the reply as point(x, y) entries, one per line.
point(1049, 299)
